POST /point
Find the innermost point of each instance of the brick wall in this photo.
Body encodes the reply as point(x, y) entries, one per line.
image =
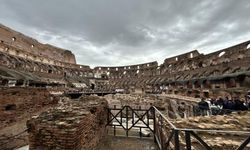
point(19, 103)
point(73, 124)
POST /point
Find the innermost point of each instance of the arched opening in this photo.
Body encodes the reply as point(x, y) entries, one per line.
point(206, 93)
point(230, 82)
point(19, 82)
point(5, 82)
point(13, 39)
point(241, 79)
point(200, 64)
point(176, 58)
point(104, 76)
point(189, 85)
point(197, 84)
point(221, 54)
point(206, 84)
point(248, 46)
point(189, 93)
point(191, 55)
point(92, 86)
point(10, 107)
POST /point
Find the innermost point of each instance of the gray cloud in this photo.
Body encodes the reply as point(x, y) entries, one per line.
point(118, 32)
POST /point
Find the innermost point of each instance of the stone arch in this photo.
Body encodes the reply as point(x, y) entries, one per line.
point(19, 82)
point(206, 84)
point(10, 107)
point(197, 84)
point(221, 54)
point(241, 79)
point(5, 82)
point(191, 55)
point(230, 82)
point(13, 39)
point(200, 64)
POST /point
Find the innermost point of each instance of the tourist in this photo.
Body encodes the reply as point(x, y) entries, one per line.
point(239, 105)
point(215, 107)
point(203, 107)
point(182, 110)
point(247, 101)
point(229, 104)
point(220, 102)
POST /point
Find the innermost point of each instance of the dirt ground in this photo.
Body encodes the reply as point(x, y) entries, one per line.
point(6, 134)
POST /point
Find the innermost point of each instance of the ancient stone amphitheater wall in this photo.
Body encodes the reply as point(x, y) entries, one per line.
point(224, 69)
point(20, 69)
point(29, 45)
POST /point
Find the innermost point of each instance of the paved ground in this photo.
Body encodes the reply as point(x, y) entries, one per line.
point(23, 148)
point(127, 143)
point(122, 143)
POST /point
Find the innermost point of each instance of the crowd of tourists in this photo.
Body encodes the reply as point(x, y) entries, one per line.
point(222, 105)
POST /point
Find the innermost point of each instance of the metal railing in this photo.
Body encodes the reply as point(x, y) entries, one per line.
point(128, 118)
point(165, 133)
point(168, 136)
point(10, 139)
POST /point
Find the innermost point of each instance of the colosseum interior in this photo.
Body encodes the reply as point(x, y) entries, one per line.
point(48, 101)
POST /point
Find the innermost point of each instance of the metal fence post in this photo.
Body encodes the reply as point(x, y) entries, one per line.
point(127, 121)
point(176, 140)
point(154, 119)
point(188, 140)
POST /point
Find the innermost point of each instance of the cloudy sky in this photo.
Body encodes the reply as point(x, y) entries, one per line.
point(123, 32)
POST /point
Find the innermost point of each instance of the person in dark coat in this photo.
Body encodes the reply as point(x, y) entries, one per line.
point(239, 105)
point(203, 106)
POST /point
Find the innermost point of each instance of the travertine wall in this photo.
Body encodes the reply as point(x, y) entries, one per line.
point(190, 73)
point(32, 72)
point(73, 125)
point(27, 44)
point(224, 71)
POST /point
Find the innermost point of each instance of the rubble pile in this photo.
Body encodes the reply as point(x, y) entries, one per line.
point(74, 124)
point(131, 100)
point(237, 121)
point(166, 103)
